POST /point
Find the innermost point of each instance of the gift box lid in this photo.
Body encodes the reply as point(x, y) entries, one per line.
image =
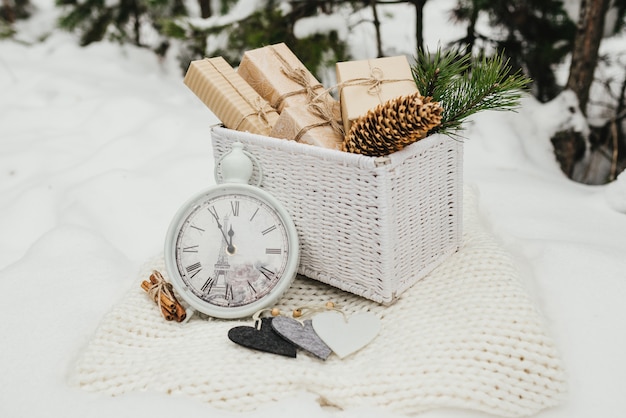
point(365, 84)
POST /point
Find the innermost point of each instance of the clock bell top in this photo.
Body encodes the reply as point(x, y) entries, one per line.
point(236, 166)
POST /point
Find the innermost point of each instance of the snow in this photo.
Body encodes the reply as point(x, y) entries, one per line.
point(616, 193)
point(322, 23)
point(100, 145)
point(241, 9)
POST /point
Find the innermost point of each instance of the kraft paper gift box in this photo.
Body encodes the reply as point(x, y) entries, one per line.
point(302, 124)
point(278, 76)
point(365, 84)
point(229, 97)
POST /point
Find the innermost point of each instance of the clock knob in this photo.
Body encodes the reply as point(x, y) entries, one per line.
point(236, 166)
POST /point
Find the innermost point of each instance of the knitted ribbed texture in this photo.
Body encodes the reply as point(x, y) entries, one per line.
point(466, 336)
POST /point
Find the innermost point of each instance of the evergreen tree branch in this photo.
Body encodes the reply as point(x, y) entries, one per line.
point(464, 87)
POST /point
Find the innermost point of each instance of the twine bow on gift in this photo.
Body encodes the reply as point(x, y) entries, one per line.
point(299, 76)
point(260, 109)
point(374, 82)
point(324, 110)
point(259, 106)
point(315, 102)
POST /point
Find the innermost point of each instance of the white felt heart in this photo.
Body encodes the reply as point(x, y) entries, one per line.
point(346, 337)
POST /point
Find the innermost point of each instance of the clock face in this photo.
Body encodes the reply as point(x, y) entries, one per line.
point(232, 249)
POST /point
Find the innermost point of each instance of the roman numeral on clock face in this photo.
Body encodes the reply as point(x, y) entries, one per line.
point(234, 207)
point(206, 287)
point(267, 272)
point(252, 289)
point(213, 212)
point(268, 230)
point(191, 249)
point(194, 269)
point(254, 214)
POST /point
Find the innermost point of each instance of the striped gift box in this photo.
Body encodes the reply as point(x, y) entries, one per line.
point(229, 96)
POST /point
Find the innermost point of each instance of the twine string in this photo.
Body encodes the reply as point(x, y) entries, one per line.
point(316, 103)
point(324, 110)
point(160, 287)
point(308, 311)
point(298, 75)
point(376, 79)
point(260, 108)
point(374, 82)
point(308, 128)
point(298, 314)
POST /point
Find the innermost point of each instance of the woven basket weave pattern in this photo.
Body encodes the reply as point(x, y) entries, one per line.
point(370, 226)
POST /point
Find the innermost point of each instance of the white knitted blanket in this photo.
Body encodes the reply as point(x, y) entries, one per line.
point(466, 336)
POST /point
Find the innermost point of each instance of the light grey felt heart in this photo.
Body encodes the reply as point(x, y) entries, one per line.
point(346, 337)
point(304, 336)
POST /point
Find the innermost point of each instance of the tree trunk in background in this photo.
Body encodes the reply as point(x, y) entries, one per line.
point(586, 44)
point(470, 37)
point(419, 22)
point(205, 8)
point(13, 10)
point(136, 13)
point(379, 42)
point(8, 13)
point(618, 124)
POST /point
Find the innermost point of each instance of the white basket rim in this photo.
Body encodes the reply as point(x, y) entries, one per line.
point(345, 158)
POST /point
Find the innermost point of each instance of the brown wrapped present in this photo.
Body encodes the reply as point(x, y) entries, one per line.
point(229, 97)
point(311, 125)
point(279, 76)
point(365, 84)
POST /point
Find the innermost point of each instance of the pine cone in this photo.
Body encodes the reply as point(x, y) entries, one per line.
point(393, 125)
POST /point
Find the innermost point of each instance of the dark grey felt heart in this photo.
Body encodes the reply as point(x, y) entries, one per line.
point(264, 339)
point(304, 336)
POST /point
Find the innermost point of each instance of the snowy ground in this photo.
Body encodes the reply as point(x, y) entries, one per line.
point(99, 146)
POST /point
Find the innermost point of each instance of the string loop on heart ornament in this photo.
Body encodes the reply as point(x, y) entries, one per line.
point(306, 311)
point(257, 315)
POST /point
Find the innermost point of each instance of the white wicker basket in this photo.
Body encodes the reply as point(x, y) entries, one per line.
point(372, 226)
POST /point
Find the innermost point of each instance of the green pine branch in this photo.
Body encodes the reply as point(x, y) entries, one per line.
point(464, 86)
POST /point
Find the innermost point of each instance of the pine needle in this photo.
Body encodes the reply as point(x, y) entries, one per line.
point(465, 86)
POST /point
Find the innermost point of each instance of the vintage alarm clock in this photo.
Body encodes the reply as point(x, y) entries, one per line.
point(232, 249)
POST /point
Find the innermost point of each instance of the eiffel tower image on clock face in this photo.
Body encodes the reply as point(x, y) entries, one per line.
point(221, 288)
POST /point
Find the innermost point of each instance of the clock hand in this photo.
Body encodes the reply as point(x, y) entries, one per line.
point(231, 247)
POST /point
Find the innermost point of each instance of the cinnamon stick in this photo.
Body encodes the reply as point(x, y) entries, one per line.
point(180, 314)
point(165, 301)
point(179, 310)
point(171, 309)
